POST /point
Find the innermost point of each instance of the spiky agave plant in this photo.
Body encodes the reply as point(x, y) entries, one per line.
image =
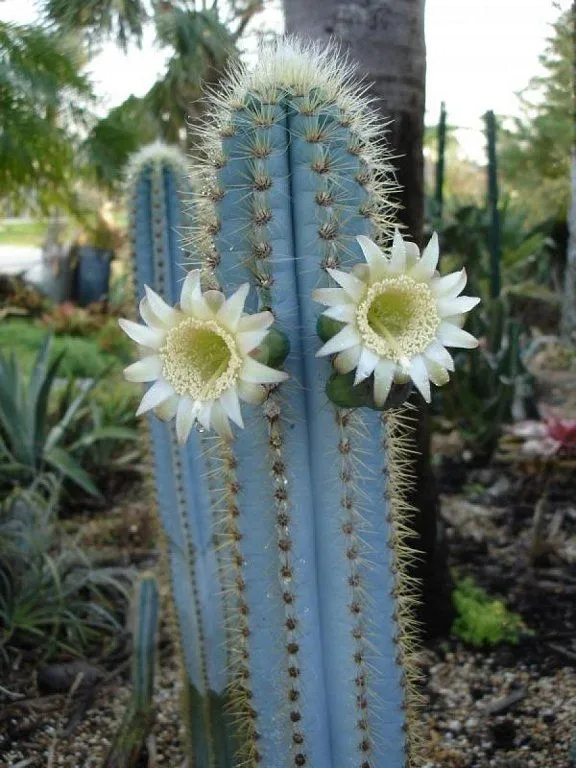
point(296, 592)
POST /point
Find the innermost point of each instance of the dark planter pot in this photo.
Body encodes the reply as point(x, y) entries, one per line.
point(92, 276)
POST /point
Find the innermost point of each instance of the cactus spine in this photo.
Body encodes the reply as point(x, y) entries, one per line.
point(297, 609)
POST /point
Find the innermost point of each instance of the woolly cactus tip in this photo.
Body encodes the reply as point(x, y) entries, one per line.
point(159, 154)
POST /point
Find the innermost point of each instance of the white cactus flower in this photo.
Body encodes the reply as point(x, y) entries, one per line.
point(198, 356)
point(399, 315)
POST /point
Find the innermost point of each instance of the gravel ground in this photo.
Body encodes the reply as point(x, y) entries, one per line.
point(487, 710)
point(484, 711)
point(509, 707)
point(46, 745)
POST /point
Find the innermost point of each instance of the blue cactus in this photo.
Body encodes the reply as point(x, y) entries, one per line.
point(130, 739)
point(288, 545)
point(159, 217)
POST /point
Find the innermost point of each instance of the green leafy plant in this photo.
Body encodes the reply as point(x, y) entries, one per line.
point(525, 258)
point(36, 423)
point(483, 620)
point(106, 431)
point(84, 358)
point(113, 341)
point(488, 382)
point(52, 599)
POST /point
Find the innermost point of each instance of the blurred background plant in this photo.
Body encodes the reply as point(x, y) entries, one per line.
point(53, 600)
point(46, 424)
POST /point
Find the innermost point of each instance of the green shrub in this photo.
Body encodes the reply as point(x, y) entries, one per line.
point(113, 341)
point(483, 620)
point(52, 599)
point(84, 358)
point(45, 429)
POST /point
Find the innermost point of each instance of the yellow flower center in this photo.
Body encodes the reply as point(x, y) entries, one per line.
point(201, 360)
point(398, 318)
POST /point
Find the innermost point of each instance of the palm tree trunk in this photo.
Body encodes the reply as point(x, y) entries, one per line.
point(387, 38)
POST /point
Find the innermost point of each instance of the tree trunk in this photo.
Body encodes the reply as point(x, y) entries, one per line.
point(569, 302)
point(387, 38)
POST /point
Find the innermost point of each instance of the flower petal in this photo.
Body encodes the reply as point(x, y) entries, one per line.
point(412, 254)
point(347, 360)
point(255, 394)
point(452, 336)
point(436, 353)
point(383, 377)
point(419, 375)
point(146, 369)
point(256, 373)
point(249, 340)
point(220, 422)
point(214, 299)
point(398, 254)
point(426, 266)
point(147, 315)
point(157, 394)
point(456, 306)
point(147, 337)
point(191, 299)
point(437, 374)
point(186, 415)
point(346, 313)
point(231, 311)
point(256, 322)
point(331, 297)
point(159, 307)
point(354, 287)
point(366, 364)
point(457, 320)
point(205, 413)
point(449, 285)
point(361, 271)
point(347, 337)
point(167, 410)
point(231, 405)
point(375, 257)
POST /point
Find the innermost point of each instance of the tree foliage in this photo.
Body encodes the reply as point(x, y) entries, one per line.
point(123, 20)
point(42, 94)
point(115, 137)
point(48, 137)
point(534, 154)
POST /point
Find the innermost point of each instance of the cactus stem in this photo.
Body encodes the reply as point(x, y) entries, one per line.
point(272, 412)
point(352, 524)
point(398, 446)
point(241, 709)
point(190, 557)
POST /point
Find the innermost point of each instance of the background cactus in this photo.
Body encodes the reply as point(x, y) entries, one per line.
point(137, 722)
point(287, 546)
point(160, 194)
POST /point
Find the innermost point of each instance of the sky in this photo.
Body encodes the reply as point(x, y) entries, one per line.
point(480, 53)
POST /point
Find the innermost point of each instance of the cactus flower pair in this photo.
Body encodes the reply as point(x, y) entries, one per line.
point(398, 317)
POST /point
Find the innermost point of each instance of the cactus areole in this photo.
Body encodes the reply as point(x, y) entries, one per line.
point(287, 538)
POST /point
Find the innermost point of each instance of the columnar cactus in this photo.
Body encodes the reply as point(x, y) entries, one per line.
point(288, 542)
point(160, 195)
